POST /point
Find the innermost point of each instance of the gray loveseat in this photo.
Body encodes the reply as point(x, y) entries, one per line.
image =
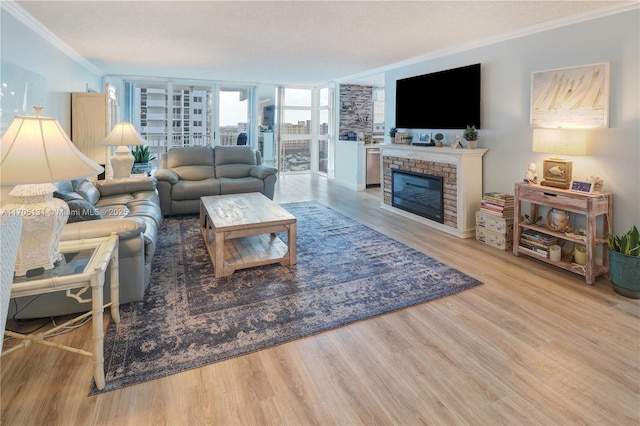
point(188, 173)
point(129, 207)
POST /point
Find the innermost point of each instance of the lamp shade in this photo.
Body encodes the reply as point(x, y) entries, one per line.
point(124, 134)
point(560, 141)
point(36, 150)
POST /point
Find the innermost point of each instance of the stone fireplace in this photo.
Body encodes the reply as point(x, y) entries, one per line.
point(460, 171)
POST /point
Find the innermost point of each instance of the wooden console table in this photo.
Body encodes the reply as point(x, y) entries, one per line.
point(590, 205)
point(84, 266)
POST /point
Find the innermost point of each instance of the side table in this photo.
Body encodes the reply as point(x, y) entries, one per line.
point(591, 206)
point(84, 266)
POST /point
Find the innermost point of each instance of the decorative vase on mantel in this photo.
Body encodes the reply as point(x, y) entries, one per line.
point(473, 144)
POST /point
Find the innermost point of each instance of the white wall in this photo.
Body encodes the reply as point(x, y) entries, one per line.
point(35, 73)
point(33, 65)
point(506, 81)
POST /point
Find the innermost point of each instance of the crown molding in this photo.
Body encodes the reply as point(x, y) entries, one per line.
point(613, 9)
point(24, 17)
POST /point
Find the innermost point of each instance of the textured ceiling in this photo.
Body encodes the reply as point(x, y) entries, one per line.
point(292, 42)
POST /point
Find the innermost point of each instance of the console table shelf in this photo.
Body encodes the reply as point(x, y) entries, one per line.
point(590, 205)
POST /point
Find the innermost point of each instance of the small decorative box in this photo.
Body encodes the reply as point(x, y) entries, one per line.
point(494, 239)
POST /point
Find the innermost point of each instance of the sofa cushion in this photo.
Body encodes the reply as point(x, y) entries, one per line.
point(233, 171)
point(114, 206)
point(151, 196)
point(234, 161)
point(193, 163)
point(113, 211)
point(191, 156)
point(113, 200)
point(126, 186)
point(233, 154)
point(194, 189)
point(240, 185)
point(145, 209)
point(194, 172)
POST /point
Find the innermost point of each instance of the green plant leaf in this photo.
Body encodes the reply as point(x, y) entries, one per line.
point(627, 244)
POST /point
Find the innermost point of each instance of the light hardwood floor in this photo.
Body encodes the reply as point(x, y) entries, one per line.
point(533, 345)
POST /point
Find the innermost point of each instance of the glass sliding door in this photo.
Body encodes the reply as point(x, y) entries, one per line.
point(323, 130)
point(169, 114)
point(294, 128)
point(234, 116)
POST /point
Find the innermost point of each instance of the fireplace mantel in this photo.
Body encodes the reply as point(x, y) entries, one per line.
point(464, 193)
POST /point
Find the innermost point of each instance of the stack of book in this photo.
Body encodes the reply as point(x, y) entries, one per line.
point(536, 243)
point(497, 204)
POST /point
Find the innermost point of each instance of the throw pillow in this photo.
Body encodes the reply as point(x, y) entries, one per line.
point(80, 210)
point(86, 189)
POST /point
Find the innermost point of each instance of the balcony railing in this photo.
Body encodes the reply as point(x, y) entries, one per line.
point(160, 140)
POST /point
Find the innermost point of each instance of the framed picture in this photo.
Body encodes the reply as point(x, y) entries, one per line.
point(571, 98)
point(582, 186)
point(401, 138)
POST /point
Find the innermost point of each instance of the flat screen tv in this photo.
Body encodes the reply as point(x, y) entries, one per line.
point(447, 99)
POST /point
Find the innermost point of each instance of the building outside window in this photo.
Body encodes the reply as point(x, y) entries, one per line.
point(295, 130)
point(152, 113)
point(169, 115)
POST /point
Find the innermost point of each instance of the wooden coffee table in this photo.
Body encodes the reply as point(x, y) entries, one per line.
point(239, 231)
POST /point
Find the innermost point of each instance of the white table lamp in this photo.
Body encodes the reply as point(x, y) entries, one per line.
point(36, 151)
point(123, 136)
point(557, 171)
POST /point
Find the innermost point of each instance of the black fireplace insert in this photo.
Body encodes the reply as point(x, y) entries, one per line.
point(418, 193)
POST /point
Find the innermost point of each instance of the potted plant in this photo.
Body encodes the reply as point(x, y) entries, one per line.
point(141, 159)
point(438, 137)
point(471, 135)
point(392, 133)
point(624, 263)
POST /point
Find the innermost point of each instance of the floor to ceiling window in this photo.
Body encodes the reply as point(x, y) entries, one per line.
point(294, 129)
point(304, 129)
point(323, 129)
point(172, 114)
point(234, 116)
point(168, 114)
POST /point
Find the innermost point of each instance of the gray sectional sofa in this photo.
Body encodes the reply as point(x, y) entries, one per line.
point(129, 207)
point(134, 208)
point(188, 173)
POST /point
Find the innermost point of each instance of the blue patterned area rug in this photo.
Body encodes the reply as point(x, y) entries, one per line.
point(345, 272)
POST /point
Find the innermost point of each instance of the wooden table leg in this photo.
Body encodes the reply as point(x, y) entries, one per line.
point(293, 243)
point(218, 250)
point(97, 283)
